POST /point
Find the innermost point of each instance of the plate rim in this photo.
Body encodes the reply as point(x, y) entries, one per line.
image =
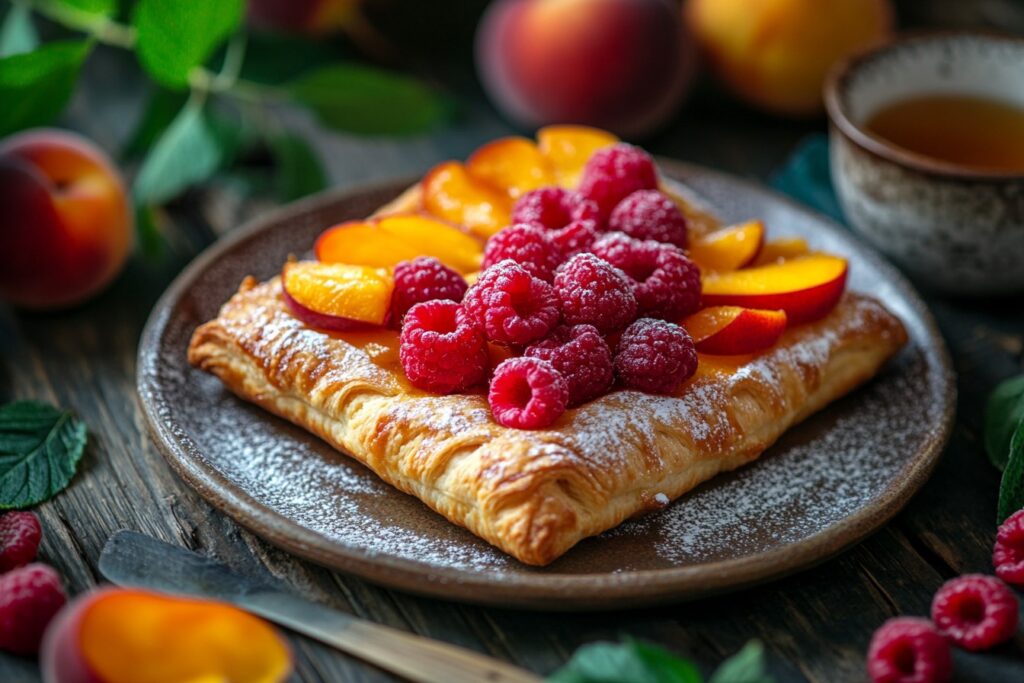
point(534, 589)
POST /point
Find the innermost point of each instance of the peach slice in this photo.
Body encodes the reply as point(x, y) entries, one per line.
point(116, 635)
point(806, 288)
point(782, 249)
point(728, 248)
point(731, 330)
point(513, 164)
point(452, 194)
point(337, 296)
point(568, 148)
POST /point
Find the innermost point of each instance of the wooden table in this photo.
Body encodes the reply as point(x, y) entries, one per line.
point(815, 626)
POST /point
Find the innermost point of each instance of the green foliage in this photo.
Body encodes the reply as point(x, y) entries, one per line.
point(299, 169)
point(746, 666)
point(1004, 412)
point(1011, 490)
point(40, 447)
point(18, 34)
point(35, 86)
point(100, 8)
point(626, 662)
point(161, 109)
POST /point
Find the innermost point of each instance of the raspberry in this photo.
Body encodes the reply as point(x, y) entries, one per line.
point(1008, 555)
point(527, 393)
point(655, 356)
point(650, 215)
point(575, 238)
point(975, 611)
point(510, 306)
point(439, 349)
point(593, 292)
point(29, 597)
point(20, 534)
point(582, 355)
point(909, 650)
point(614, 173)
point(666, 283)
point(423, 279)
point(554, 208)
point(528, 245)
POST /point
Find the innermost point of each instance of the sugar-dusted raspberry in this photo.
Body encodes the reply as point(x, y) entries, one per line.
point(666, 283)
point(527, 393)
point(29, 597)
point(20, 534)
point(593, 292)
point(975, 611)
point(423, 279)
point(614, 173)
point(909, 650)
point(655, 356)
point(511, 306)
point(1008, 554)
point(575, 238)
point(440, 350)
point(527, 244)
point(650, 215)
point(582, 355)
point(554, 208)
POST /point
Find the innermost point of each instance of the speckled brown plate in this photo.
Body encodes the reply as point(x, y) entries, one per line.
point(827, 484)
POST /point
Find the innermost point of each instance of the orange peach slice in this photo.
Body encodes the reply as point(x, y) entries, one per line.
point(731, 330)
point(728, 248)
point(806, 288)
point(783, 249)
point(452, 194)
point(337, 296)
point(117, 635)
point(568, 148)
point(513, 164)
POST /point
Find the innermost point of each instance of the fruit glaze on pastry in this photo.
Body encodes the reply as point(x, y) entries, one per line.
point(545, 340)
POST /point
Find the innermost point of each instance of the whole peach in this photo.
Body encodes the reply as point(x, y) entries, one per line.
point(775, 54)
point(66, 228)
point(621, 65)
point(309, 17)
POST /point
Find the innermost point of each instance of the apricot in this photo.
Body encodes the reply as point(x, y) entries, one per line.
point(729, 248)
point(116, 635)
point(568, 148)
point(512, 164)
point(307, 17)
point(452, 194)
point(622, 65)
point(66, 228)
point(337, 296)
point(732, 330)
point(783, 249)
point(775, 54)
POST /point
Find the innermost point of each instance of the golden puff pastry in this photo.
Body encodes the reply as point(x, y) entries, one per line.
point(535, 494)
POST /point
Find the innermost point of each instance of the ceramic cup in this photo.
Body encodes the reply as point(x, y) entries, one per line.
point(950, 227)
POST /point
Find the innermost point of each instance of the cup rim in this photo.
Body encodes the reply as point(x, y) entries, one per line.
point(840, 75)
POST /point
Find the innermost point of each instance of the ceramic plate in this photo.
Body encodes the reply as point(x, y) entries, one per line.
point(825, 485)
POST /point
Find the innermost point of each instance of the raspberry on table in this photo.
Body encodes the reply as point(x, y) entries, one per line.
point(975, 611)
point(665, 282)
point(1008, 554)
point(29, 598)
point(613, 173)
point(650, 215)
point(554, 208)
point(527, 244)
point(527, 393)
point(20, 535)
point(440, 350)
point(423, 279)
point(655, 356)
point(909, 650)
point(594, 292)
point(582, 355)
point(511, 306)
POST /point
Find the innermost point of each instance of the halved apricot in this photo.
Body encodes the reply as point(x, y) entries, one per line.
point(337, 296)
point(452, 194)
point(728, 248)
point(782, 249)
point(731, 330)
point(568, 148)
point(512, 164)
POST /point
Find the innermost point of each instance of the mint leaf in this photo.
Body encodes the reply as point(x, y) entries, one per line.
point(187, 153)
point(40, 447)
point(299, 171)
point(35, 86)
point(1011, 489)
point(176, 36)
point(18, 33)
point(628, 662)
point(746, 666)
point(1003, 413)
point(100, 8)
point(368, 101)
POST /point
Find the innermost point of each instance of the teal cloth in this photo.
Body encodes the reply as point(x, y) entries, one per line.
point(806, 177)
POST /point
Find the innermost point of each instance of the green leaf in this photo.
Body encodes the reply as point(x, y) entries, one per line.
point(627, 662)
point(1004, 412)
point(1011, 489)
point(161, 109)
point(175, 36)
point(35, 86)
point(40, 447)
point(368, 101)
point(100, 8)
point(746, 666)
point(299, 171)
point(18, 33)
point(188, 152)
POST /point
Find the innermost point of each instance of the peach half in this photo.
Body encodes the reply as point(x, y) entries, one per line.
point(732, 330)
point(452, 194)
point(782, 249)
point(729, 248)
point(337, 296)
point(512, 164)
point(116, 635)
point(569, 148)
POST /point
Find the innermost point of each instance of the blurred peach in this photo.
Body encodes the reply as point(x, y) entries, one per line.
point(66, 228)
